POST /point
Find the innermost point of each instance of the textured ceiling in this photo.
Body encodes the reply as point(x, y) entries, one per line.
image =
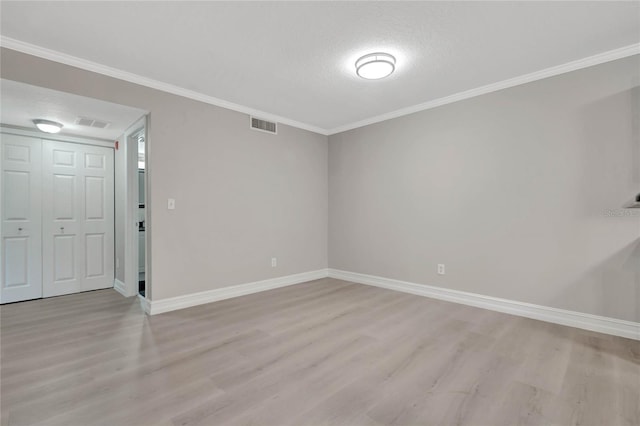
point(295, 59)
point(22, 103)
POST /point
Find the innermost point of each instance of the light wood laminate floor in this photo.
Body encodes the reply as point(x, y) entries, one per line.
point(319, 353)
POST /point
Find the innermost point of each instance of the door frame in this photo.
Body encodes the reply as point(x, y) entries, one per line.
point(131, 212)
point(55, 136)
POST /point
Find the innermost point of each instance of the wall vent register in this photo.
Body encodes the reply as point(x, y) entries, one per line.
point(264, 125)
point(92, 122)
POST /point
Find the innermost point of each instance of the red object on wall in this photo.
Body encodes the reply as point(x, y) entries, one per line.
point(117, 144)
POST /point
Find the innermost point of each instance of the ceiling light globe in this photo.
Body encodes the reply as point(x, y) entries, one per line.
point(48, 126)
point(375, 66)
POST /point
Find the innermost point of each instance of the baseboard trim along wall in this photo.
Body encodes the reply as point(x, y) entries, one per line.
point(616, 327)
point(144, 304)
point(180, 302)
point(613, 326)
point(120, 287)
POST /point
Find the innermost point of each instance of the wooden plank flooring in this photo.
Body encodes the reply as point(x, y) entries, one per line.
point(326, 352)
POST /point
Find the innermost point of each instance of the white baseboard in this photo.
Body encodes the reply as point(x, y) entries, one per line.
point(186, 301)
point(120, 287)
point(144, 304)
point(597, 323)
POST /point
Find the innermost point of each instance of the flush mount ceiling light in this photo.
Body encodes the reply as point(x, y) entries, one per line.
point(375, 66)
point(48, 126)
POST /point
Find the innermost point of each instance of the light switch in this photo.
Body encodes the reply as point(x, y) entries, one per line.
point(171, 204)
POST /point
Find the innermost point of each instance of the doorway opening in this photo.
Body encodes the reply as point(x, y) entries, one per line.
point(69, 200)
point(142, 218)
point(136, 217)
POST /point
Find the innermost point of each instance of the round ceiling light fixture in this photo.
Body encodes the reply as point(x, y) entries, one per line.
point(375, 66)
point(48, 126)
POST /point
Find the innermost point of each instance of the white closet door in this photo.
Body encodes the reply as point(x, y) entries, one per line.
point(78, 234)
point(98, 218)
point(21, 218)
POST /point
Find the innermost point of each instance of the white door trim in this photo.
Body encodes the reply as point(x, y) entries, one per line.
point(131, 268)
point(55, 137)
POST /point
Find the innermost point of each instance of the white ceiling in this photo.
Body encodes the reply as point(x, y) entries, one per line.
point(22, 103)
point(295, 59)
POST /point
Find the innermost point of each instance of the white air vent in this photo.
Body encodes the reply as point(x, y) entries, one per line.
point(264, 125)
point(92, 122)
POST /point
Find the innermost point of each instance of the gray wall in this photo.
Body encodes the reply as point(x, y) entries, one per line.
point(509, 190)
point(241, 196)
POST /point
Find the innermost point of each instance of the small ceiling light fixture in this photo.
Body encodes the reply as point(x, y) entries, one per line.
point(48, 126)
point(375, 66)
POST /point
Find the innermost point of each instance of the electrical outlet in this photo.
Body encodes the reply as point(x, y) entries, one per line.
point(274, 262)
point(171, 204)
point(441, 269)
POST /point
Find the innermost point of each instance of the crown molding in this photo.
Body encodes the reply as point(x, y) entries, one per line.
point(74, 61)
point(590, 61)
point(84, 64)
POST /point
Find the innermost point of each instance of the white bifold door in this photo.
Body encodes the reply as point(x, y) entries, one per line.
point(21, 218)
point(77, 218)
point(74, 250)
